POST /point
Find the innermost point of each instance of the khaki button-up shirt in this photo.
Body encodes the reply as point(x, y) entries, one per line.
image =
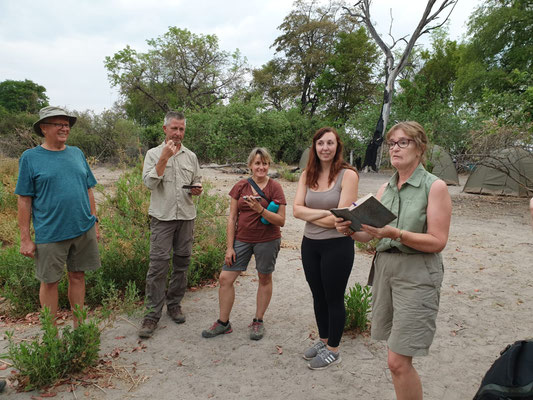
point(168, 200)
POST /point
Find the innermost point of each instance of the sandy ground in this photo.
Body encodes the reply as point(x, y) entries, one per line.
point(486, 303)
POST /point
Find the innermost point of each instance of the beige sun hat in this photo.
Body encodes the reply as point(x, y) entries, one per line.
point(52, 111)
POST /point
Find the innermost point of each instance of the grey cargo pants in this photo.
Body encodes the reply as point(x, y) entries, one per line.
point(168, 236)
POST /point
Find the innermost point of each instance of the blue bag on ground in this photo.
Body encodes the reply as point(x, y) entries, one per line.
point(274, 207)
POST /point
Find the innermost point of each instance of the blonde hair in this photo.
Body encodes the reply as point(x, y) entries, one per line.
point(416, 132)
point(263, 153)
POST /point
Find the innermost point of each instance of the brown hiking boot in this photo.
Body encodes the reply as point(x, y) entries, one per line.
point(176, 314)
point(147, 328)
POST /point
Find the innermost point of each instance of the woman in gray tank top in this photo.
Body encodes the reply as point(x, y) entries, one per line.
point(327, 256)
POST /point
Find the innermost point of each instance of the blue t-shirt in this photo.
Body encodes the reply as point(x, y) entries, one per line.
point(57, 181)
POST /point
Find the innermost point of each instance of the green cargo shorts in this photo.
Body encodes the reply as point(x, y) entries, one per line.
point(80, 254)
point(405, 300)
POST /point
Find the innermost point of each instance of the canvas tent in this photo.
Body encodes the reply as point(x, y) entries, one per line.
point(303, 159)
point(443, 166)
point(506, 172)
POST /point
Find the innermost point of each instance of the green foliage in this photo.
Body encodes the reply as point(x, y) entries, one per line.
point(358, 305)
point(347, 81)
point(42, 363)
point(209, 246)
point(180, 70)
point(106, 137)
point(495, 66)
point(16, 132)
point(285, 172)
point(367, 247)
point(22, 96)
point(322, 65)
point(228, 133)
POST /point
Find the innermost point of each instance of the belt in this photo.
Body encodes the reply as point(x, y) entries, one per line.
point(393, 250)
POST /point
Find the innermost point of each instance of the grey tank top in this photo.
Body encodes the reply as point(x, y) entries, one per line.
point(324, 201)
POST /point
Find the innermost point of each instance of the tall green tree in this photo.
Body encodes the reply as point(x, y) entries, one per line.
point(348, 80)
point(495, 69)
point(427, 96)
point(180, 70)
point(272, 81)
point(22, 96)
point(308, 39)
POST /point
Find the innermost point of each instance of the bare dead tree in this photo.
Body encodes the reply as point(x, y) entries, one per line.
point(428, 22)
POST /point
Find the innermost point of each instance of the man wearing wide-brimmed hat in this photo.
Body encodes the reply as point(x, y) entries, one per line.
point(55, 190)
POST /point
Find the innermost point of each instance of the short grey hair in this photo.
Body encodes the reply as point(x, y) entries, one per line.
point(174, 115)
point(263, 153)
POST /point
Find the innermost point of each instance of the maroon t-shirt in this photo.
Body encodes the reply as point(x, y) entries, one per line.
point(250, 229)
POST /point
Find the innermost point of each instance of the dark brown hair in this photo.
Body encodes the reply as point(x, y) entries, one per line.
point(313, 167)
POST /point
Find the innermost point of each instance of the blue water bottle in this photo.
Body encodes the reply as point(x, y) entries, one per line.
point(274, 207)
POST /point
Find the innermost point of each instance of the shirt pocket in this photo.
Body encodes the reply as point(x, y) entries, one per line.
point(187, 175)
point(169, 175)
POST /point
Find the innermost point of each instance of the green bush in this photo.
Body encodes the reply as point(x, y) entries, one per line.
point(357, 302)
point(367, 247)
point(42, 363)
point(286, 173)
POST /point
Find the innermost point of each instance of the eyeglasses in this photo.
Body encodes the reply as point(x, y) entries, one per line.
point(56, 124)
point(402, 143)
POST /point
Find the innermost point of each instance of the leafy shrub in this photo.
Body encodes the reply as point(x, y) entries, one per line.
point(209, 245)
point(357, 303)
point(286, 173)
point(367, 247)
point(42, 363)
point(8, 201)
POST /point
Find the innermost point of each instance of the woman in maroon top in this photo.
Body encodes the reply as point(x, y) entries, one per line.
point(248, 234)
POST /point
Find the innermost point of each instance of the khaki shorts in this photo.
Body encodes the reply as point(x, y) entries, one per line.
point(80, 254)
point(405, 300)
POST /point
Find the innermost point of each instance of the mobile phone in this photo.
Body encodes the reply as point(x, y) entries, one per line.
point(191, 186)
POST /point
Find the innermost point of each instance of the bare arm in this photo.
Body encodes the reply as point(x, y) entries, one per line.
point(349, 188)
point(275, 218)
point(93, 211)
point(230, 232)
point(439, 214)
point(27, 246)
point(300, 211)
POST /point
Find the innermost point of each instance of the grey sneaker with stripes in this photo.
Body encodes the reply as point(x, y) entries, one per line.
point(324, 359)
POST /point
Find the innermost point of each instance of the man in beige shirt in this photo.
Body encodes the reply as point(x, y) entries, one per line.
point(171, 172)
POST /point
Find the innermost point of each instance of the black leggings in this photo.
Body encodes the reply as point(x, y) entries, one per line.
point(327, 265)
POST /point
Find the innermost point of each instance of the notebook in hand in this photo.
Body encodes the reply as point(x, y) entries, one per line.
point(367, 210)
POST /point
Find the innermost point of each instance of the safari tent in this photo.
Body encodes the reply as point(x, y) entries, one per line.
point(506, 172)
point(443, 165)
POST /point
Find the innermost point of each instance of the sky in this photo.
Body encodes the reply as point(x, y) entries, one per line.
point(62, 44)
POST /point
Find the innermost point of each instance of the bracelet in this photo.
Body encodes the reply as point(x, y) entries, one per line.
point(262, 210)
point(399, 238)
